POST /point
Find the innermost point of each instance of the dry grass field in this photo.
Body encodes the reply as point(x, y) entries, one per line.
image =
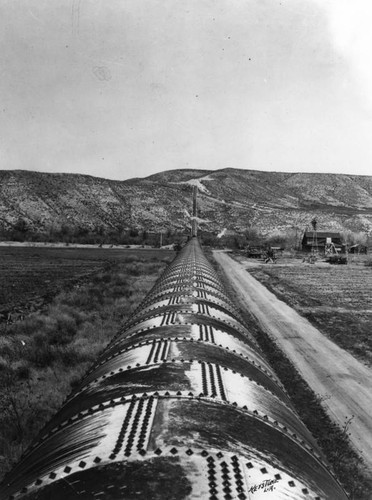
point(80, 299)
point(32, 276)
point(335, 299)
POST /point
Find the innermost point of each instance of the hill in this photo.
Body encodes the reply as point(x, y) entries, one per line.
point(229, 198)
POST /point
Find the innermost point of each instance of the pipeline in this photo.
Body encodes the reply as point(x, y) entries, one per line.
point(181, 404)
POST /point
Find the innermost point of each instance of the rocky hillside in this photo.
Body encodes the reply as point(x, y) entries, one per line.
point(228, 198)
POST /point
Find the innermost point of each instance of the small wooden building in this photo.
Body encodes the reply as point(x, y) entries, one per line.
point(321, 238)
point(358, 249)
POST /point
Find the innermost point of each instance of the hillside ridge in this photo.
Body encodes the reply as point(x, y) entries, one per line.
point(229, 198)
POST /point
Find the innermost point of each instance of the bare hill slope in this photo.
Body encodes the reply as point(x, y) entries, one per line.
point(229, 198)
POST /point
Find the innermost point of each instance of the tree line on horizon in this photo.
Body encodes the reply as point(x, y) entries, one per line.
point(252, 236)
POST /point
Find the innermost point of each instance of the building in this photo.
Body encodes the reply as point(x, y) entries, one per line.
point(321, 238)
point(358, 249)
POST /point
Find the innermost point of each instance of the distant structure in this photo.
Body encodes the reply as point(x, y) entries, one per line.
point(358, 249)
point(322, 238)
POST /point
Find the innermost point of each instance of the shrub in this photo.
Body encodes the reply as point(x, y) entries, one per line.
point(69, 356)
point(3, 364)
point(22, 370)
point(60, 328)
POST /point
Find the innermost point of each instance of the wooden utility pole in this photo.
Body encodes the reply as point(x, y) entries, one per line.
point(194, 225)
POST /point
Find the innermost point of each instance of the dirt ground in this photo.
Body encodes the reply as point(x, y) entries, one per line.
point(343, 383)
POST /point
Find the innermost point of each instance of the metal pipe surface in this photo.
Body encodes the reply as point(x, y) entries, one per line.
point(181, 404)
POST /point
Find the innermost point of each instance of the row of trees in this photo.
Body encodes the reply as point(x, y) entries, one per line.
point(289, 239)
point(67, 234)
point(251, 237)
point(355, 238)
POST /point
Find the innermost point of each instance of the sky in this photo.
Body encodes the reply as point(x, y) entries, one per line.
point(128, 88)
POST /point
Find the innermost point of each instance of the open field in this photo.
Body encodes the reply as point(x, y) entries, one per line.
point(335, 299)
point(31, 276)
point(45, 355)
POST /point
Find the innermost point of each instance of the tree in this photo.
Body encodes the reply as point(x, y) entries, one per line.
point(21, 226)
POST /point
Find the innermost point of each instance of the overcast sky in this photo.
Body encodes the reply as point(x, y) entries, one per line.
point(127, 88)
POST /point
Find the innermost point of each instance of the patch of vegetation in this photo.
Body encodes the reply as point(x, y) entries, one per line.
point(332, 439)
point(31, 277)
point(88, 235)
point(45, 356)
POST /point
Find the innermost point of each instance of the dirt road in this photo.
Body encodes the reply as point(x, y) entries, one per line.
point(342, 381)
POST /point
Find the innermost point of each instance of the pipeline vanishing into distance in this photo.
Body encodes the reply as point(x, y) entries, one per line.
point(181, 404)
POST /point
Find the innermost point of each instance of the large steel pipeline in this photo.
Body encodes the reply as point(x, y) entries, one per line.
point(181, 404)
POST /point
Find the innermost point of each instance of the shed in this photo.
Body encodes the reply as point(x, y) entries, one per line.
point(358, 248)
